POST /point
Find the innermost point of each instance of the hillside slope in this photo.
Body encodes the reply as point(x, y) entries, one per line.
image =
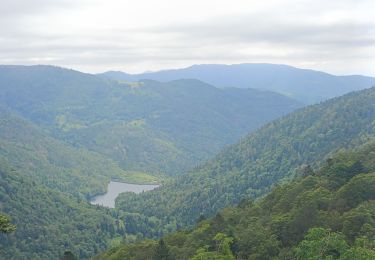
point(308, 86)
point(144, 126)
point(269, 156)
point(327, 214)
point(53, 163)
point(49, 222)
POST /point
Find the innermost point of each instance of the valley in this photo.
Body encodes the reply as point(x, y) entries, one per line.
point(69, 134)
point(327, 212)
point(157, 128)
point(187, 130)
point(115, 188)
point(274, 154)
point(120, 164)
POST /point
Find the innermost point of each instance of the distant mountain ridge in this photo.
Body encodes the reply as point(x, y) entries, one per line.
point(307, 86)
point(64, 134)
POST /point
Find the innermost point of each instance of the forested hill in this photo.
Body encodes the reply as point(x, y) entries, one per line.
point(326, 214)
point(53, 163)
point(308, 86)
point(144, 126)
point(270, 155)
point(49, 222)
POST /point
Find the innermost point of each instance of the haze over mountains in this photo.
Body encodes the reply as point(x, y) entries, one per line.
point(65, 134)
point(307, 86)
point(145, 126)
point(249, 134)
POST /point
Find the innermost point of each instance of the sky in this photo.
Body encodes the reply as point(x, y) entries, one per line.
point(336, 36)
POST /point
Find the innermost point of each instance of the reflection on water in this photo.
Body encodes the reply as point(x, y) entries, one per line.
point(115, 188)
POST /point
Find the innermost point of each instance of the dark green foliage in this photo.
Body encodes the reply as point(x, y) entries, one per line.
point(68, 256)
point(49, 222)
point(161, 251)
point(308, 218)
point(271, 155)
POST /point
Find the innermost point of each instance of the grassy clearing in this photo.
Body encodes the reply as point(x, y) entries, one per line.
point(135, 177)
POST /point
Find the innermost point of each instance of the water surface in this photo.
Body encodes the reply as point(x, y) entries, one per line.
point(115, 188)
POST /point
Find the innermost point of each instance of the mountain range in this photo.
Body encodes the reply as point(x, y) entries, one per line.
point(237, 161)
point(307, 86)
point(145, 126)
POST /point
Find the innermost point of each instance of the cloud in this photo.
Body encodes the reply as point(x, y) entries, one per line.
point(98, 35)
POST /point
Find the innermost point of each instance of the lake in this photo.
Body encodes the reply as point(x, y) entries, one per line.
point(115, 188)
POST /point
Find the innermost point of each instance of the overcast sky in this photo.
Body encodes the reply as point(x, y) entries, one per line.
point(337, 36)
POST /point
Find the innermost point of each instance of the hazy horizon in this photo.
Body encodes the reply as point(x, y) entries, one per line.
point(229, 64)
point(185, 67)
point(238, 129)
point(95, 36)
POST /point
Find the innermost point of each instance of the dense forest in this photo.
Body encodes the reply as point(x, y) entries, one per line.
point(64, 135)
point(146, 126)
point(324, 214)
point(49, 222)
point(53, 163)
point(187, 130)
point(271, 155)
